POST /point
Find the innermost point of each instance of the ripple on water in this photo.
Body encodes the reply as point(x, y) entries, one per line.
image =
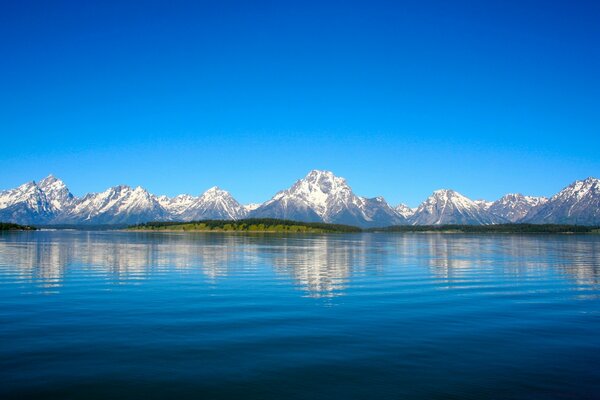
point(102, 314)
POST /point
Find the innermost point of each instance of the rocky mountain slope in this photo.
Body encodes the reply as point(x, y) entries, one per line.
point(319, 197)
point(449, 207)
point(322, 196)
point(578, 203)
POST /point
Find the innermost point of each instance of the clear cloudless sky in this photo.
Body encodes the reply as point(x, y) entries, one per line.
point(400, 98)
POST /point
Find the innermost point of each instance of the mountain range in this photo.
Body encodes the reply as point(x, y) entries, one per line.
point(319, 197)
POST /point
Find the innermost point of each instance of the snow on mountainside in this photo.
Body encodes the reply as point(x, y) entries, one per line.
point(251, 207)
point(177, 205)
point(483, 204)
point(215, 203)
point(35, 202)
point(514, 206)
point(578, 203)
point(405, 210)
point(450, 207)
point(57, 193)
point(116, 205)
point(322, 196)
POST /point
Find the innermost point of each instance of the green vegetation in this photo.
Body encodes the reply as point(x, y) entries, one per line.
point(9, 226)
point(247, 225)
point(500, 228)
point(287, 226)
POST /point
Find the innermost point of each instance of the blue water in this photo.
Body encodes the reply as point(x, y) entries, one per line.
point(118, 315)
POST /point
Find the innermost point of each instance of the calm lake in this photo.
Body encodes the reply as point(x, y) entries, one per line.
point(259, 316)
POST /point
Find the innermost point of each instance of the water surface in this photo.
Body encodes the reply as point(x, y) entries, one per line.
point(353, 316)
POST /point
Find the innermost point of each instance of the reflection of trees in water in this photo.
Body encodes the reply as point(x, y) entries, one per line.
point(320, 264)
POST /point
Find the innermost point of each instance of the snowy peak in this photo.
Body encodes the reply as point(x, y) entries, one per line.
point(578, 203)
point(214, 194)
point(215, 203)
point(35, 202)
point(28, 192)
point(579, 190)
point(57, 193)
point(322, 196)
point(177, 205)
point(514, 206)
point(117, 205)
point(251, 207)
point(447, 206)
point(318, 190)
point(483, 204)
point(404, 210)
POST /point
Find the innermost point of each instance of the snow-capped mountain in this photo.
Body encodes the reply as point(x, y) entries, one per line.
point(215, 203)
point(57, 193)
point(322, 196)
point(514, 207)
point(483, 204)
point(250, 207)
point(33, 202)
point(450, 207)
point(578, 203)
point(405, 210)
point(116, 205)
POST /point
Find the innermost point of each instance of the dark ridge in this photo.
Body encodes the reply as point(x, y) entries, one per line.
point(9, 226)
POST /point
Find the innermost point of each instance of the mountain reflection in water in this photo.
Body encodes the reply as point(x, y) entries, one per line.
point(320, 265)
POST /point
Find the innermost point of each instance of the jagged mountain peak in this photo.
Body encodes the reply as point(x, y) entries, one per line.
point(319, 196)
point(251, 207)
point(449, 195)
point(447, 206)
point(323, 196)
point(404, 210)
point(29, 203)
point(578, 203)
point(216, 191)
point(510, 198)
point(579, 188)
point(117, 205)
point(57, 193)
point(483, 204)
point(51, 180)
point(319, 174)
point(317, 186)
point(514, 206)
point(214, 203)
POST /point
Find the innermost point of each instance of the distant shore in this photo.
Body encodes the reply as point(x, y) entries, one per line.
point(273, 225)
point(287, 226)
point(8, 226)
point(263, 225)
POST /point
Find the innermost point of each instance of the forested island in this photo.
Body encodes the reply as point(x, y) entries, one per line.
point(247, 225)
point(9, 226)
point(288, 226)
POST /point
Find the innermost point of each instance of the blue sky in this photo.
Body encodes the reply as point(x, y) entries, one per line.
point(399, 98)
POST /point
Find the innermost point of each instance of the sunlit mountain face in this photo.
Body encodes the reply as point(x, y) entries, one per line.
point(320, 196)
